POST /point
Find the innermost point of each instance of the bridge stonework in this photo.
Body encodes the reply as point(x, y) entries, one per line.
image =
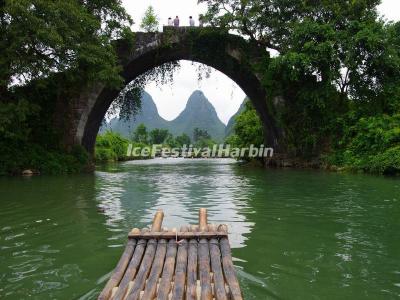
point(228, 53)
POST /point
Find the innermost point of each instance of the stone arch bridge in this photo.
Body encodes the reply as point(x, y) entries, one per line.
point(230, 54)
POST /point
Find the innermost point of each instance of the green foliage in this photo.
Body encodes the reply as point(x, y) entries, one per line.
point(111, 147)
point(75, 40)
point(150, 20)
point(310, 109)
point(387, 163)
point(205, 143)
point(371, 145)
point(248, 129)
point(202, 139)
point(28, 138)
point(158, 136)
point(140, 135)
point(41, 37)
point(182, 140)
point(199, 134)
point(374, 134)
point(171, 142)
point(14, 158)
point(335, 58)
point(13, 120)
point(53, 48)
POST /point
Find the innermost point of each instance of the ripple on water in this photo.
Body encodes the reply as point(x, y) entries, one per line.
point(294, 234)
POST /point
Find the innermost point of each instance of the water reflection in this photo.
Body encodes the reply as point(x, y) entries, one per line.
point(110, 189)
point(179, 187)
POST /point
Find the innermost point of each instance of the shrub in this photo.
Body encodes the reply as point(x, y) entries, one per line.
point(16, 158)
point(371, 145)
point(387, 163)
point(111, 146)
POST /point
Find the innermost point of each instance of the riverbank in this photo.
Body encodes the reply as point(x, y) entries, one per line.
point(58, 164)
point(14, 160)
point(284, 162)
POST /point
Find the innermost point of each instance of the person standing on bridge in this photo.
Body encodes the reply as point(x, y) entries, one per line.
point(176, 21)
point(170, 22)
point(191, 21)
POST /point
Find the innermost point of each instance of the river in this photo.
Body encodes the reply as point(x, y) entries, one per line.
point(295, 234)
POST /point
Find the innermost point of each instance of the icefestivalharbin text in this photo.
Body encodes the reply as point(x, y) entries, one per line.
point(217, 151)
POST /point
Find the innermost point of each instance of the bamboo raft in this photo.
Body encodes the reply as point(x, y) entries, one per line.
point(192, 263)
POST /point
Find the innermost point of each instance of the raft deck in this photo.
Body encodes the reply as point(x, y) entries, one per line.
point(192, 263)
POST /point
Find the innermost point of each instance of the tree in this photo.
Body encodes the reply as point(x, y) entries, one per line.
point(171, 141)
point(182, 140)
point(205, 143)
point(111, 146)
point(336, 60)
point(199, 134)
point(202, 138)
point(248, 129)
point(340, 43)
point(158, 136)
point(271, 23)
point(38, 38)
point(140, 135)
point(150, 20)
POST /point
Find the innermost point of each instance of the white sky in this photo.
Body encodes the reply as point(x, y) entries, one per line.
point(221, 91)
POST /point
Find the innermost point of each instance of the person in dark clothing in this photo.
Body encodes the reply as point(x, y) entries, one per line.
point(176, 21)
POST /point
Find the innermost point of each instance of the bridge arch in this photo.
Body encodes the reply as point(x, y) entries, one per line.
point(224, 52)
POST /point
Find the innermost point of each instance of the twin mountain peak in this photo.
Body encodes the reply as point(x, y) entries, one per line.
point(198, 113)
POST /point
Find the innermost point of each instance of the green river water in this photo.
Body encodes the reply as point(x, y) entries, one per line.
point(294, 234)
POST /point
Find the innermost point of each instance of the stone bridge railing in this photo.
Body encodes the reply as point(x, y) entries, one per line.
point(148, 41)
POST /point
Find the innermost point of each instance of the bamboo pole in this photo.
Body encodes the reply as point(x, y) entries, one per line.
point(229, 270)
point(118, 271)
point(147, 262)
point(219, 281)
point(151, 286)
point(168, 271)
point(180, 270)
point(178, 235)
point(157, 221)
point(203, 219)
point(144, 269)
point(131, 270)
point(191, 293)
point(204, 269)
point(204, 259)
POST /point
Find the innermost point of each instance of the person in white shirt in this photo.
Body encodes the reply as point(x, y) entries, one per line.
point(170, 22)
point(191, 21)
